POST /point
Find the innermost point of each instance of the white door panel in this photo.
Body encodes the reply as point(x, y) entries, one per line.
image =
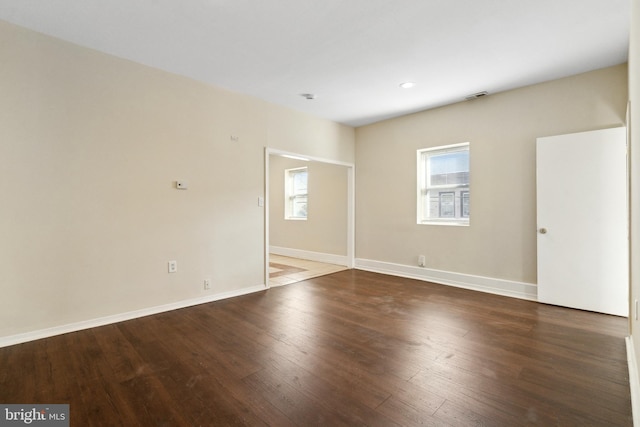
point(582, 221)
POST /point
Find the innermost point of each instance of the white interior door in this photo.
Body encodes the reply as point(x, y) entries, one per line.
point(582, 221)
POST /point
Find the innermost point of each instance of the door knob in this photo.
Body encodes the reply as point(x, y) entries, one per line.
point(543, 231)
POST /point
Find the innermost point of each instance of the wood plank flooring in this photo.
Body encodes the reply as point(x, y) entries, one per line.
point(351, 348)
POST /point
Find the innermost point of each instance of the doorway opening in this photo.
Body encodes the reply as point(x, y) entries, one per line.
point(322, 242)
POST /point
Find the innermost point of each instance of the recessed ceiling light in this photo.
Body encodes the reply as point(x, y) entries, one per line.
point(407, 85)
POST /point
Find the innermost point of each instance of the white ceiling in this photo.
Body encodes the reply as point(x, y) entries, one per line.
point(352, 54)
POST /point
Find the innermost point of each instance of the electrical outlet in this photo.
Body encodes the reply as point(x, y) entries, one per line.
point(173, 266)
point(207, 284)
point(421, 261)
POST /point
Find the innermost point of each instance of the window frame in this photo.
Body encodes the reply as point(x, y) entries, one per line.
point(424, 187)
point(290, 195)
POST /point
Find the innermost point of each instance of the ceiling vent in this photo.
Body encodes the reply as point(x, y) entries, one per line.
point(308, 95)
point(477, 95)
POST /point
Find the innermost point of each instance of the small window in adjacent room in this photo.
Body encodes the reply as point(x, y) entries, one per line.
point(295, 190)
point(443, 185)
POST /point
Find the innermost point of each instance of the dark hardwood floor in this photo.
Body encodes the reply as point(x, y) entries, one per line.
point(352, 348)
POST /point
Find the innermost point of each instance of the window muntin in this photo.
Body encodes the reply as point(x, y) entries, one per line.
point(443, 185)
point(296, 194)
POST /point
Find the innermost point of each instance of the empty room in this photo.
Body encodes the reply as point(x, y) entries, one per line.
point(331, 213)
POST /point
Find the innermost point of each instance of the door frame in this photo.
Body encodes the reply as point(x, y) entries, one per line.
point(268, 151)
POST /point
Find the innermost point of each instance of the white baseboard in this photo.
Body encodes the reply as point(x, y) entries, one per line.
point(634, 381)
point(92, 323)
point(490, 285)
point(309, 255)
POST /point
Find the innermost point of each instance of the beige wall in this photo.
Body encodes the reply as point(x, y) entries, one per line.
point(325, 230)
point(502, 129)
point(90, 147)
point(296, 132)
point(634, 127)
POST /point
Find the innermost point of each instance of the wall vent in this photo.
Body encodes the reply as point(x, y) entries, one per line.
point(477, 95)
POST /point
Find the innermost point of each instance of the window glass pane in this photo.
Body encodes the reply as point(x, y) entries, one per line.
point(447, 204)
point(300, 207)
point(449, 168)
point(300, 182)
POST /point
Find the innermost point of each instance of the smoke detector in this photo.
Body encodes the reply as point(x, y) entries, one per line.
point(477, 95)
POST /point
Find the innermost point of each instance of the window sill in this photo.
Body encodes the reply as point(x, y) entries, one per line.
point(295, 219)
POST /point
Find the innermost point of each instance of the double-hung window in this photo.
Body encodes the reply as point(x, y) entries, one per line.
point(295, 193)
point(443, 185)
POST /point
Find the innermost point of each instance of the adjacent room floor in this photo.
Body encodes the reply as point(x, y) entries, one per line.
point(286, 270)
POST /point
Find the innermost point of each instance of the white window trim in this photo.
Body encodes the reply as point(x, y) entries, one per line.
point(422, 186)
point(288, 205)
